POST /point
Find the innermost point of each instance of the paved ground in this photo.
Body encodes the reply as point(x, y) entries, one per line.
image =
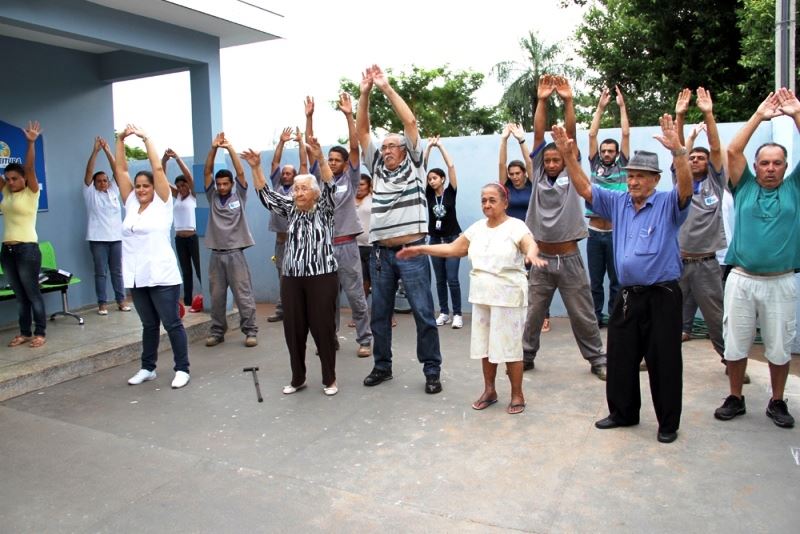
point(95, 455)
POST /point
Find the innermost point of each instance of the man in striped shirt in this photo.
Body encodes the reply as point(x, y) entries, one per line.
point(398, 218)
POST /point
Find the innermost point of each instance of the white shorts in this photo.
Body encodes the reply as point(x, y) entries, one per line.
point(497, 333)
point(769, 301)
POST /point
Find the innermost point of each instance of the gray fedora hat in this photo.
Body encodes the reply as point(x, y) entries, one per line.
point(643, 161)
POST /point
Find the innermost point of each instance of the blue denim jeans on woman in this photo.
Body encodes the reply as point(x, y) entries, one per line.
point(446, 271)
point(107, 256)
point(158, 305)
point(21, 265)
point(385, 270)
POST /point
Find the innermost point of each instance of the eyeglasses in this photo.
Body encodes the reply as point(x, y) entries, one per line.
point(391, 146)
point(302, 188)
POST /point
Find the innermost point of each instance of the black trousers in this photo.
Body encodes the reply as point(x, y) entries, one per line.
point(309, 304)
point(188, 251)
point(646, 322)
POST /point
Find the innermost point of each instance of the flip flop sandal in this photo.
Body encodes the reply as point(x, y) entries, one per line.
point(483, 404)
point(514, 409)
point(37, 342)
point(18, 340)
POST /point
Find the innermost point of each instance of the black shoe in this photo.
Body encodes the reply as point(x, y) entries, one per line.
point(377, 376)
point(527, 366)
point(605, 424)
point(732, 407)
point(600, 370)
point(779, 413)
point(274, 318)
point(432, 384)
point(667, 437)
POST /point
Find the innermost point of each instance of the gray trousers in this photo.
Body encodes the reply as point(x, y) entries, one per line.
point(568, 275)
point(351, 282)
point(280, 248)
point(229, 268)
point(703, 280)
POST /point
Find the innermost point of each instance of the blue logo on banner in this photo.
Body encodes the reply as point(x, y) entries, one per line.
point(13, 146)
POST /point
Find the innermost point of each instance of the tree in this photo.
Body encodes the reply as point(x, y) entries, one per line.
point(521, 80)
point(442, 100)
point(653, 48)
point(134, 152)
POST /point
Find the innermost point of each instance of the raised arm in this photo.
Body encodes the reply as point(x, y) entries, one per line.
point(565, 147)
point(109, 157)
point(789, 105)
point(184, 170)
point(705, 105)
point(87, 176)
point(448, 161)
point(160, 182)
point(32, 133)
point(346, 107)
point(315, 153)
point(362, 119)
point(543, 92)
point(399, 106)
point(426, 156)
point(308, 105)
point(680, 161)
point(625, 125)
point(564, 92)
point(693, 134)
point(237, 163)
point(302, 152)
point(502, 169)
point(519, 135)
point(767, 110)
point(208, 169)
point(286, 134)
point(121, 167)
point(253, 159)
point(681, 107)
point(594, 128)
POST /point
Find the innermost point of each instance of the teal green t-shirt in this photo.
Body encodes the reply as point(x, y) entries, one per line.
point(767, 235)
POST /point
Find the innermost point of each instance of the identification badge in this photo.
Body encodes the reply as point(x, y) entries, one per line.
point(600, 171)
point(562, 181)
point(710, 200)
point(438, 224)
point(341, 188)
point(234, 205)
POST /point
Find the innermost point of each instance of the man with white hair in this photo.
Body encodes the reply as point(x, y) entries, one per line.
point(398, 219)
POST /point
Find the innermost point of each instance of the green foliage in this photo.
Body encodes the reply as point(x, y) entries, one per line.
point(442, 100)
point(522, 79)
point(133, 152)
point(653, 48)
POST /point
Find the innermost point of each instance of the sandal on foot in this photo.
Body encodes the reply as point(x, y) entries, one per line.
point(37, 342)
point(514, 409)
point(19, 340)
point(482, 404)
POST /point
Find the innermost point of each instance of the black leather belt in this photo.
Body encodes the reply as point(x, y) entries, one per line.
point(698, 260)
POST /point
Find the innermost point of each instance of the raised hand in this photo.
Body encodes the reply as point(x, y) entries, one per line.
point(545, 87)
point(98, 144)
point(696, 129)
point(517, 131)
point(366, 81)
point(379, 78)
point(169, 153)
point(769, 108)
point(309, 106)
point(345, 104)
point(127, 132)
point(620, 98)
point(605, 98)
point(314, 148)
point(433, 141)
point(704, 103)
point(252, 157)
point(286, 135)
point(297, 135)
point(103, 143)
point(506, 131)
point(562, 141)
point(219, 140)
point(33, 131)
point(682, 104)
point(563, 88)
point(669, 133)
point(788, 102)
point(138, 132)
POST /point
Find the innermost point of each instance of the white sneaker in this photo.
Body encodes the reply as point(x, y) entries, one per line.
point(458, 321)
point(181, 379)
point(442, 319)
point(143, 375)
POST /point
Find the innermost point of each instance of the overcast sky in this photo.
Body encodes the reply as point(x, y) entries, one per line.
point(263, 84)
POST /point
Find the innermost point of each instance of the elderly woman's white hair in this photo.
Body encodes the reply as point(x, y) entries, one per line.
point(309, 179)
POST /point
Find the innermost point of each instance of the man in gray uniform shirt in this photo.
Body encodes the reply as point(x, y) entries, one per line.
point(555, 217)
point(227, 235)
point(282, 179)
point(346, 167)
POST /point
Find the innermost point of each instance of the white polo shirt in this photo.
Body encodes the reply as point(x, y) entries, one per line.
point(104, 213)
point(147, 256)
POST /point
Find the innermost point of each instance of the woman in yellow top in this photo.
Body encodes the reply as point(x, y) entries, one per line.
point(20, 256)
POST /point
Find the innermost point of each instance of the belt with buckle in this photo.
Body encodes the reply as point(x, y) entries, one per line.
point(698, 260)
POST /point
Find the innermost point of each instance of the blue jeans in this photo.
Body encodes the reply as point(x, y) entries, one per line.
point(600, 252)
point(21, 265)
point(446, 271)
point(156, 305)
point(107, 256)
point(385, 270)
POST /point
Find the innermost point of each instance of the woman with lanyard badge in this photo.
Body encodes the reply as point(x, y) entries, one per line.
point(443, 227)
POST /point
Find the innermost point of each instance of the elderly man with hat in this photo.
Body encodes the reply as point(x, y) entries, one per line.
point(646, 319)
